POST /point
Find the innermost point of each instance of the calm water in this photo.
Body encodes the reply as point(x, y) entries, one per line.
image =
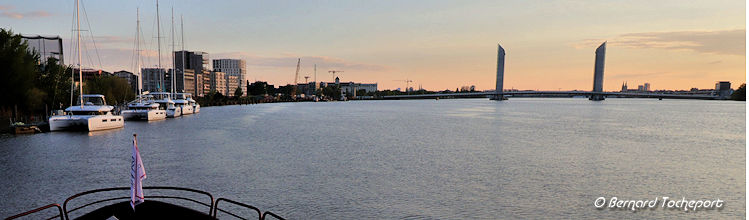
point(419, 159)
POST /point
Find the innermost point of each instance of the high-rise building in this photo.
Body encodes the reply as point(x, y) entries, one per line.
point(152, 79)
point(217, 82)
point(646, 86)
point(232, 83)
point(233, 67)
point(195, 64)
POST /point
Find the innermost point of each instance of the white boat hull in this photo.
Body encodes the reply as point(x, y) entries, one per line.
point(187, 109)
point(174, 112)
point(196, 109)
point(144, 115)
point(85, 122)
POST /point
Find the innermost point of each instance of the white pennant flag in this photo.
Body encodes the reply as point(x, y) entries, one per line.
point(137, 174)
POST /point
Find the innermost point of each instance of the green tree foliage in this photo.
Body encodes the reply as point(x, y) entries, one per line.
point(332, 91)
point(115, 89)
point(260, 88)
point(18, 70)
point(54, 80)
point(739, 94)
point(361, 92)
point(238, 92)
point(285, 91)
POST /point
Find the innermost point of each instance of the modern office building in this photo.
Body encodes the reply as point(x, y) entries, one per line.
point(232, 83)
point(217, 82)
point(646, 86)
point(195, 65)
point(152, 79)
point(233, 67)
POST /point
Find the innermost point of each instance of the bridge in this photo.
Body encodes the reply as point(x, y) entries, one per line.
point(587, 94)
point(597, 94)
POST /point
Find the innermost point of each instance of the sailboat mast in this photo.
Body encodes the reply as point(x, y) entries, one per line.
point(80, 67)
point(158, 39)
point(184, 53)
point(137, 51)
point(174, 68)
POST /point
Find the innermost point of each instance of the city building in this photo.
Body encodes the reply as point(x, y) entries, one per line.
point(152, 79)
point(349, 89)
point(190, 79)
point(131, 78)
point(204, 83)
point(232, 83)
point(723, 89)
point(646, 86)
point(217, 82)
point(233, 67)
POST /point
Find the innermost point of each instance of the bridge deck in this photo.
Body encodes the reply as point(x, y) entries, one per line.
point(552, 94)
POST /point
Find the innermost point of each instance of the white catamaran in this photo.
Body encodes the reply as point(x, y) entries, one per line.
point(93, 113)
point(143, 107)
point(184, 104)
point(166, 103)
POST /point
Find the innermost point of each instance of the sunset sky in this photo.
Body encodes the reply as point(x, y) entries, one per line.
point(437, 44)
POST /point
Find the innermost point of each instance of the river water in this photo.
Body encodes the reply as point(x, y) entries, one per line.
point(412, 159)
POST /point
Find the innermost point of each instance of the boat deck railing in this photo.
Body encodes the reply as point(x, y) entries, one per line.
point(209, 202)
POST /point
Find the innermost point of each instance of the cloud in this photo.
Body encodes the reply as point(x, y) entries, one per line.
point(6, 12)
point(290, 60)
point(728, 42)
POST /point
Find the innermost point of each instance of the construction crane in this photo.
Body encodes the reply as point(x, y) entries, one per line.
point(334, 72)
point(296, 79)
point(407, 83)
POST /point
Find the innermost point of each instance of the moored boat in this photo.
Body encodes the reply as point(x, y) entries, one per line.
point(165, 102)
point(181, 102)
point(92, 115)
point(144, 108)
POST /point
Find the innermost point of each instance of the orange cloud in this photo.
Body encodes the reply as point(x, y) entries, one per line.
point(729, 42)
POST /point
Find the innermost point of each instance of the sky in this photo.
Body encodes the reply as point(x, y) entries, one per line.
point(550, 44)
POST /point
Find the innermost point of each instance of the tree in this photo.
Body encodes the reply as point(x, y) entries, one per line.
point(740, 93)
point(361, 92)
point(18, 70)
point(115, 89)
point(332, 91)
point(238, 92)
point(54, 80)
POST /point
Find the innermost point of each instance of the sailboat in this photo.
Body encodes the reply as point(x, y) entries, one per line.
point(179, 98)
point(164, 99)
point(188, 96)
point(93, 113)
point(143, 107)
